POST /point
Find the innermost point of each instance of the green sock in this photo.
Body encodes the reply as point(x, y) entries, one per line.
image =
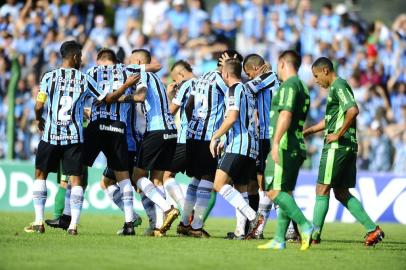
point(356, 209)
point(288, 204)
point(320, 211)
point(59, 202)
point(212, 202)
point(281, 225)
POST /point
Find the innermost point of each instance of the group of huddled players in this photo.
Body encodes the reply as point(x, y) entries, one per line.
point(230, 134)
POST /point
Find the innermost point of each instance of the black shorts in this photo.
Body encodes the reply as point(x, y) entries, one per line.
point(240, 168)
point(109, 173)
point(157, 150)
point(60, 177)
point(179, 161)
point(49, 156)
point(264, 148)
point(200, 162)
point(110, 138)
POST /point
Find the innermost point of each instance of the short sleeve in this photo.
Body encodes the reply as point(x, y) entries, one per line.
point(233, 98)
point(263, 82)
point(287, 98)
point(95, 89)
point(45, 82)
point(180, 95)
point(221, 85)
point(345, 97)
point(238, 13)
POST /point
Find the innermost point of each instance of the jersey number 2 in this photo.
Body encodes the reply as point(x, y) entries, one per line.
point(65, 111)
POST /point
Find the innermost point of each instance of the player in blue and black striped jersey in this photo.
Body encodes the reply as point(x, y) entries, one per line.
point(64, 91)
point(159, 142)
point(178, 95)
point(108, 124)
point(241, 147)
point(263, 83)
point(206, 104)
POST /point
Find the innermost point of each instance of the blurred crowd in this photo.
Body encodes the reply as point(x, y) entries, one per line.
point(369, 54)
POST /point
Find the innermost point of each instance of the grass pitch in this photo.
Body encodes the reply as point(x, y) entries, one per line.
point(97, 247)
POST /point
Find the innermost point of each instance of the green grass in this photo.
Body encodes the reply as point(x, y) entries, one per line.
point(97, 247)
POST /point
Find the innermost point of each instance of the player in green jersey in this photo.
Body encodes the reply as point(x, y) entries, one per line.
point(289, 109)
point(338, 160)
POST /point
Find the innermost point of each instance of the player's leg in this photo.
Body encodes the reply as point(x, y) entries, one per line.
point(72, 165)
point(320, 210)
point(210, 206)
point(46, 160)
point(60, 194)
point(241, 220)
point(172, 188)
point(265, 203)
point(283, 183)
point(374, 232)
point(232, 164)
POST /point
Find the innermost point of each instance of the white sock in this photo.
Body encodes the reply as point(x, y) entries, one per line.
point(152, 193)
point(203, 194)
point(127, 195)
point(159, 214)
point(174, 190)
point(149, 208)
point(66, 209)
point(264, 208)
point(76, 202)
point(39, 197)
point(241, 219)
point(190, 200)
point(235, 198)
point(113, 192)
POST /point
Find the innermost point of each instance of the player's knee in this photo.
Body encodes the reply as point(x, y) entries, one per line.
point(341, 195)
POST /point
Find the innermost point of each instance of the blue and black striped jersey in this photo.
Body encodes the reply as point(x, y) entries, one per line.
point(110, 78)
point(66, 90)
point(156, 104)
point(208, 113)
point(242, 138)
point(136, 125)
point(181, 99)
point(263, 86)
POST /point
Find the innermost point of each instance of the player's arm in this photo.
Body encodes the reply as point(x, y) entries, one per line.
point(115, 95)
point(153, 67)
point(229, 120)
point(315, 128)
point(282, 125)
point(137, 97)
point(349, 106)
point(350, 116)
point(39, 110)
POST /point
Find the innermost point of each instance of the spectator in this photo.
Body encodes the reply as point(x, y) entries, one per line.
point(126, 12)
point(226, 19)
point(380, 152)
point(100, 32)
point(197, 17)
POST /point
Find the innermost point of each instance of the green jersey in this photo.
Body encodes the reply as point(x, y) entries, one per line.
point(292, 96)
point(340, 99)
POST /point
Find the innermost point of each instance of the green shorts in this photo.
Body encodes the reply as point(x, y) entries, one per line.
point(283, 176)
point(338, 168)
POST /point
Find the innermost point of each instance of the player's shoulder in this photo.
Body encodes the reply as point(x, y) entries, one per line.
point(92, 70)
point(48, 74)
point(340, 83)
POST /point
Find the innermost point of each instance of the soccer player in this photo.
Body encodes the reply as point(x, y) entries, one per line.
point(241, 147)
point(159, 142)
point(205, 110)
point(178, 95)
point(264, 84)
point(106, 131)
point(289, 109)
point(338, 160)
point(64, 90)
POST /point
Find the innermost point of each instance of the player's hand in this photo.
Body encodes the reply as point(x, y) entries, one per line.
point(264, 69)
point(213, 147)
point(307, 132)
point(275, 153)
point(172, 88)
point(220, 148)
point(41, 124)
point(132, 80)
point(332, 138)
